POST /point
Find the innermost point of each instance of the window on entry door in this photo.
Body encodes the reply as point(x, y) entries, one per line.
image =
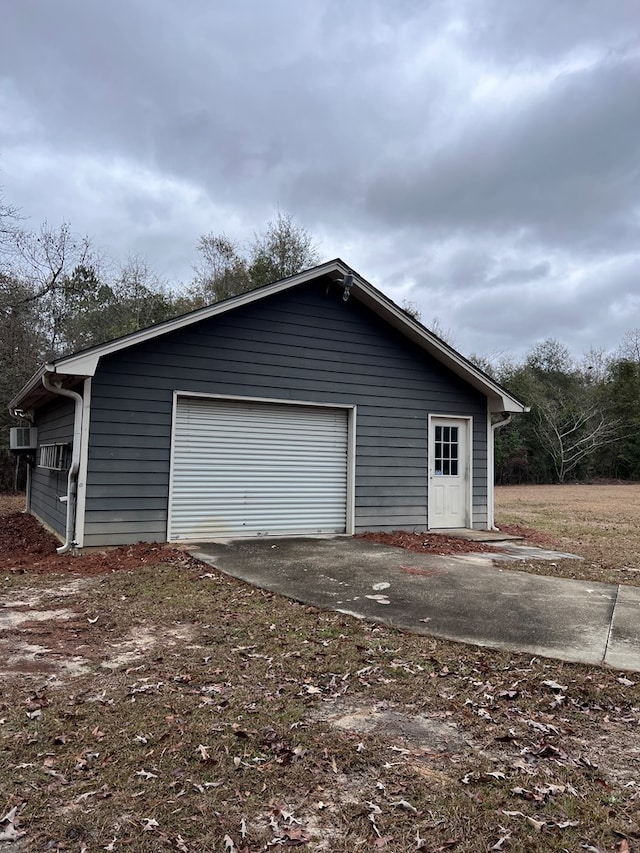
point(446, 451)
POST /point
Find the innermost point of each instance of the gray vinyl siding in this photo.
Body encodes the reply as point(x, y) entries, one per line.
point(55, 426)
point(297, 345)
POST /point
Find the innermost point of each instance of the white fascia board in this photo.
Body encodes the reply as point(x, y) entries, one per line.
point(84, 364)
point(32, 383)
point(87, 362)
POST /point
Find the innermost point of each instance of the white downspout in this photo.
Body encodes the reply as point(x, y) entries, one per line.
point(495, 426)
point(72, 478)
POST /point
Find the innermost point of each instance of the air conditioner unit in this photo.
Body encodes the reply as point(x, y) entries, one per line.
point(23, 438)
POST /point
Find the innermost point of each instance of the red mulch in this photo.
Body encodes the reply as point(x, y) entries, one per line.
point(25, 546)
point(428, 543)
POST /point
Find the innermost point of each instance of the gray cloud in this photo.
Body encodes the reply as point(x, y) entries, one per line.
point(540, 31)
point(566, 168)
point(479, 158)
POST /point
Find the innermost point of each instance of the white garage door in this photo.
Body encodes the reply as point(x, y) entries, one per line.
point(245, 469)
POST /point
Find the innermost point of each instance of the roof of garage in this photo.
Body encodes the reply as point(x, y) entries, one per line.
point(83, 364)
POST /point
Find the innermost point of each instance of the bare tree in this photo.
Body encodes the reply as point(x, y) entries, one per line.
point(227, 268)
point(44, 257)
point(443, 333)
point(283, 249)
point(222, 271)
point(594, 366)
point(572, 430)
point(629, 349)
point(411, 308)
point(44, 261)
point(9, 217)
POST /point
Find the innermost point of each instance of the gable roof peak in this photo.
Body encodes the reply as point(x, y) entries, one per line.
point(83, 364)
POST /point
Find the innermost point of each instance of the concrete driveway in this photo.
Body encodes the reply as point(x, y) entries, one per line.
point(467, 598)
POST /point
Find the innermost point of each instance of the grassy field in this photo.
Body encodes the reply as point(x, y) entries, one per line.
point(170, 708)
point(598, 522)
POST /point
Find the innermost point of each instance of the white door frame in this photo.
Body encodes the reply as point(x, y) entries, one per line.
point(465, 421)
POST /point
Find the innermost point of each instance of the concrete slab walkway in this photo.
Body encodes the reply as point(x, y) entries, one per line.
point(467, 598)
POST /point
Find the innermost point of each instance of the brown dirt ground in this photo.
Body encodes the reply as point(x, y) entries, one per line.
point(375, 739)
point(26, 546)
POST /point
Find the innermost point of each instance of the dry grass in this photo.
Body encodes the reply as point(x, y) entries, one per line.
point(206, 715)
point(598, 522)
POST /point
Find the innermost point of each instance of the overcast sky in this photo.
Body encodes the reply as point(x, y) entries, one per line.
point(480, 159)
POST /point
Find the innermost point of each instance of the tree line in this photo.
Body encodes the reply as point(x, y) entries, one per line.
point(584, 422)
point(59, 294)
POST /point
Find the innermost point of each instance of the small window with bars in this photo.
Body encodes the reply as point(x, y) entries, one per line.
point(446, 451)
point(54, 457)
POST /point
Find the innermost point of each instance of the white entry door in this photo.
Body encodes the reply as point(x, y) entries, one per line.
point(449, 470)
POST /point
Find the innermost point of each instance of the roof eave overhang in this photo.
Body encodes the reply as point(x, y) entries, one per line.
point(34, 394)
point(84, 364)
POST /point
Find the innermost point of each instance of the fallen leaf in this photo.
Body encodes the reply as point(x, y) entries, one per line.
point(11, 833)
point(295, 834)
point(146, 774)
point(10, 816)
point(403, 804)
point(81, 797)
point(374, 825)
point(555, 686)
